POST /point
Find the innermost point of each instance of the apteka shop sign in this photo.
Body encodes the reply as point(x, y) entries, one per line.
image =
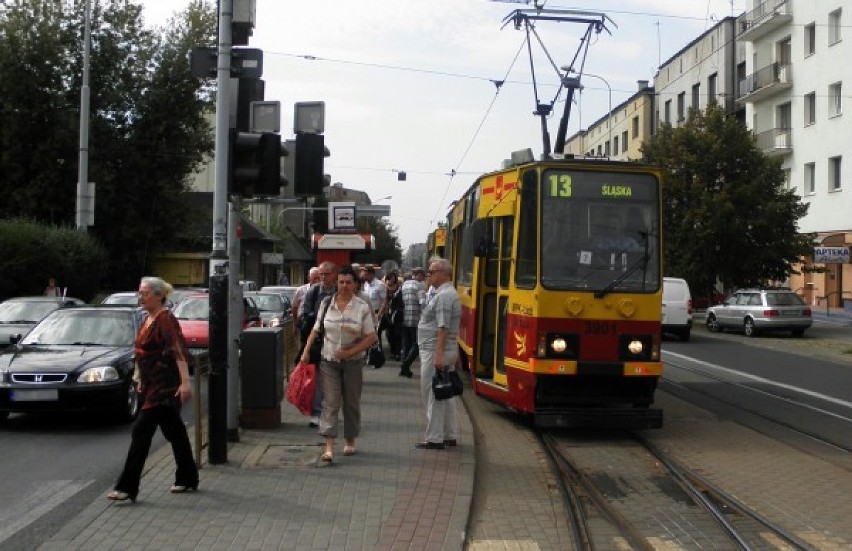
point(831, 255)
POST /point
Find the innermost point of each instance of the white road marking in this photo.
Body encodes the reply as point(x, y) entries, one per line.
point(36, 504)
point(734, 372)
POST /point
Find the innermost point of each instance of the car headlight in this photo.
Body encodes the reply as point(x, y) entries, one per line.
point(275, 322)
point(98, 375)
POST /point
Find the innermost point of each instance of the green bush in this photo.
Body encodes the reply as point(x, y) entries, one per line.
point(30, 253)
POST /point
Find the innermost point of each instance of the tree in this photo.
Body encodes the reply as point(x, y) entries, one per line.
point(387, 242)
point(147, 125)
point(726, 213)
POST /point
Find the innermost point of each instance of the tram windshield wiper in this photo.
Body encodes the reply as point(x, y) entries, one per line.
point(639, 263)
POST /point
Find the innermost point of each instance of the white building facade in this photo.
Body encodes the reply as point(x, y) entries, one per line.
point(798, 74)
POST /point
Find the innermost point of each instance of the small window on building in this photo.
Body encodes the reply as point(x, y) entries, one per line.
point(835, 99)
point(786, 178)
point(696, 92)
point(615, 145)
point(810, 39)
point(711, 87)
point(635, 123)
point(834, 27)
point(681, 106)
point(810, 108)
point(668, 111)
point(624, 141)
point(810, 178)
point(834, 182)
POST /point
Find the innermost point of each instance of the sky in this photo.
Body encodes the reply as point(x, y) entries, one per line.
point(409, 85)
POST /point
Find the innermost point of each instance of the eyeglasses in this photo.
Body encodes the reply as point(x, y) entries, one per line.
point(430, 272)
point(325, 273)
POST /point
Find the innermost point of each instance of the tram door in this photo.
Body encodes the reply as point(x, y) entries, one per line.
point(495, 298)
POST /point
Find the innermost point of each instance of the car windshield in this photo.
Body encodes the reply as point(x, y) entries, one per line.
point(84, 327)
point(784, 299)
point(122, 298)
point(288, 292)
point(21, 311)
point(268, 303)
point(193, 308)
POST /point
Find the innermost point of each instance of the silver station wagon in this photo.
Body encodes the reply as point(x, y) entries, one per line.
point(756, 310)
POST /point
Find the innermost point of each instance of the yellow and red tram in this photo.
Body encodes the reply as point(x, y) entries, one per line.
point(558, 267)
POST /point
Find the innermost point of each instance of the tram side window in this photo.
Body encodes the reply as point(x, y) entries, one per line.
point(527, 228)
point(465, 257)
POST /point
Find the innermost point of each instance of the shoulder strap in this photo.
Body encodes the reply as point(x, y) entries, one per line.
point(326, 302)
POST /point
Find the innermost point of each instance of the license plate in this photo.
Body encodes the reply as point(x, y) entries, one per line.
point(40, 395)
point(791, 313)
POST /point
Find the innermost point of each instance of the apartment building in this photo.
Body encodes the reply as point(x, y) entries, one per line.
point(797, 62)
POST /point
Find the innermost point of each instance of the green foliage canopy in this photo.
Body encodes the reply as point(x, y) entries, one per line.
point(727, 215)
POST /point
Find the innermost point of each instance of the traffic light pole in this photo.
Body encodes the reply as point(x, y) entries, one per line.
point(217, 451)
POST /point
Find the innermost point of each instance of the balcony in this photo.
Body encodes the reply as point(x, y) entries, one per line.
point(765, 18)
point(778, 141)
point(765, 82)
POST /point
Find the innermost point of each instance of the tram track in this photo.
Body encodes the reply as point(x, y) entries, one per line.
point(626, 493)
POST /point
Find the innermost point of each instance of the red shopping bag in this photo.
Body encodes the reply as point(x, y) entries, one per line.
point(300, 389)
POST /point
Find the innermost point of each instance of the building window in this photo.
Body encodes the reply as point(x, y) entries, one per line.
point(786, 178)
point(834, 27)
point(810, 108)
point(711, 87)
point(696, 91)
point(615, 145)
point(834, 174)
point(835, 99)
point(810, 39)
point(681, 106)
point(810, 178)
point(635, 127)
point(668, 111)
point(606, 148)
point(624, 141)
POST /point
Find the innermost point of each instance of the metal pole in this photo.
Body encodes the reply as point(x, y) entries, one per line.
point(235, 307)
point(217, 427)
point(609, 118)
point(83, 175)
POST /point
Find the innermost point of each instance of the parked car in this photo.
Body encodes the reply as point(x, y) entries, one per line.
point(757, 310)
point(275, 309)
point(193, 315)
point(248, 285)
point(283, 290)
point(78, 358)
point(179, 293)
point(19, 315)
point(677, 307)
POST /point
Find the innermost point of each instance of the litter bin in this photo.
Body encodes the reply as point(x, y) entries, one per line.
point(262, 377)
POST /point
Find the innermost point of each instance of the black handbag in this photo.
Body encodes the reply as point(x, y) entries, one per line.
point(376, 356)
point(458, 386)
point(442, 386)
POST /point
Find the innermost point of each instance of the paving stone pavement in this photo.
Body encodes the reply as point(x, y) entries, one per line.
point(274, 493)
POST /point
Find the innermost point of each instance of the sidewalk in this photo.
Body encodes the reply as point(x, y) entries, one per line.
point(274, 493)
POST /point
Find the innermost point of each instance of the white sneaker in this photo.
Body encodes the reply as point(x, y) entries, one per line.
point(314, 422)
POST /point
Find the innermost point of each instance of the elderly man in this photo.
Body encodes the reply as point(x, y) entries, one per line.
point(436, 337)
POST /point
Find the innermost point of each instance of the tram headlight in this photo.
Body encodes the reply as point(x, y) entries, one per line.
point(635, 347)
point(559, 345)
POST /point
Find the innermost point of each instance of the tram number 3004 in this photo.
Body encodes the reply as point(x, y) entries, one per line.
point(601, 328)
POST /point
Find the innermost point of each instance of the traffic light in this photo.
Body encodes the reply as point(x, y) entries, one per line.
point(255, 164)
point(308, 165)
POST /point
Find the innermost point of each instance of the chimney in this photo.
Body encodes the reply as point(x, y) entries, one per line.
point(642, 84)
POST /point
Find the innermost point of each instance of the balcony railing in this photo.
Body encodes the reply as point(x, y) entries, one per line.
point(766, 17)
point(766, 81)
point(775, 141)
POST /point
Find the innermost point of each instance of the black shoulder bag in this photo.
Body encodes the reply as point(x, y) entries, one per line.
point(315, 355)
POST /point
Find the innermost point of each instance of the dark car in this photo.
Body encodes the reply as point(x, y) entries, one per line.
point(78, 358)
point(19, 315)
point(275, 309)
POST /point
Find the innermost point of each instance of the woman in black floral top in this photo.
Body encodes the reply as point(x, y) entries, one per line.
point(163, 378)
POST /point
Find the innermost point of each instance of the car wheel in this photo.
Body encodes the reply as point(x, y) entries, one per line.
point(130, 408)
point(684, 334)
point(798, 332)
point(712, 323)
point(748, 328)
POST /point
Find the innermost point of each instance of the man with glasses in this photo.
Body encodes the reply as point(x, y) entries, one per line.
point(436, 338)
point(308, 313)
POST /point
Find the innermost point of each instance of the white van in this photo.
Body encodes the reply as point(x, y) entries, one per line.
point(677, 307)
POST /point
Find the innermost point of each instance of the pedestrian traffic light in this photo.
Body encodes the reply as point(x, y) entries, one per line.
point(308, 166)
point(255, 164)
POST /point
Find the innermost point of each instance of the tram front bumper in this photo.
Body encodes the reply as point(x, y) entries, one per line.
point(605, 418)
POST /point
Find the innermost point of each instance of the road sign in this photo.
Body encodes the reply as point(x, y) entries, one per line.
point(831, 255)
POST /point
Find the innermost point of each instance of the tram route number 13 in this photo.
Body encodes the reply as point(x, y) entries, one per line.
point(560, 185)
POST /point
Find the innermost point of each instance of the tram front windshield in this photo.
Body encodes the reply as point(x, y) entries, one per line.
point(600, 231)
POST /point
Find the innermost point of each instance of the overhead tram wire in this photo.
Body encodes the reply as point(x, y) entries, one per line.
point(498, 84)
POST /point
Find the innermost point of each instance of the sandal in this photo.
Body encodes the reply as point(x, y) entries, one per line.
point(327, 456)
point(348, 450)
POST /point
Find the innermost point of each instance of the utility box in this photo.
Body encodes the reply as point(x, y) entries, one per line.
point(262, 376)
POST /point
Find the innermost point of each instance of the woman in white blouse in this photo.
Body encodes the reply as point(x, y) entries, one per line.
point(345, 323)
